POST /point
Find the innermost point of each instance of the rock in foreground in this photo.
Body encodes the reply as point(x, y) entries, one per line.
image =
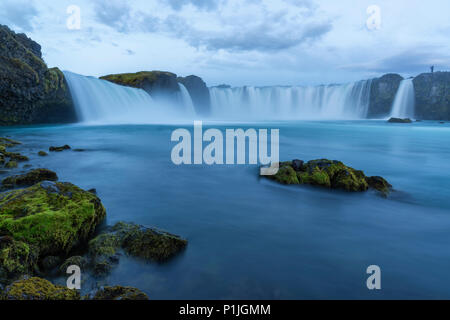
point(331, 174)
point(51, 216)
point(38, 289)
point(117, 293)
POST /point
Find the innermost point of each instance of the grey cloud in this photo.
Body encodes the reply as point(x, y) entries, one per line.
point(201, 4)
point(18, 14)
point(409, 62)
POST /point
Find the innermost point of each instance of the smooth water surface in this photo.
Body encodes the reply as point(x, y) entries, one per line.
point(251, 238)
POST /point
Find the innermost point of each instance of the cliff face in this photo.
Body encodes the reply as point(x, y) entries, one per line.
point(382, 95)
point(199, 93)
point(30, 93)
point(432, 92)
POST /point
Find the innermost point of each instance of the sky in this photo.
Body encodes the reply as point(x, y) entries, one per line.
point(239, 42)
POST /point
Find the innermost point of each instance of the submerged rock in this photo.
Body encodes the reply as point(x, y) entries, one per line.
point(59, 149)
point(30, 178)
point(38, 289)
point(398, 120)
point(42, 153)
point(11, 165)
point(331, 174)
point(117, 293)
point(51, 216)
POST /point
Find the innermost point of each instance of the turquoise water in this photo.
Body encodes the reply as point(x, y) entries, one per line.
point(253, 239)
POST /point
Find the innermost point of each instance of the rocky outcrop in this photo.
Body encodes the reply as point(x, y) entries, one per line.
point(38, 289)
point(30, 93)
point(432, 92)
point(330, 174)
point(382, 95)
point(399, 120)
point(117, 293)
point(30, 178)
point(159, 84)
point(199, 93)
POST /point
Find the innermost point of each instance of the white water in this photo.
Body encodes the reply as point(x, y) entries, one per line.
point(100, 101)
point(348, 101)
point(186, 100)
point(404, 103)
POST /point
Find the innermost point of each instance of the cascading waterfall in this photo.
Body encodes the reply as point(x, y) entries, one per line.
point(404, 102)
point(348, 101)
point(186, 100)
point(100, 101)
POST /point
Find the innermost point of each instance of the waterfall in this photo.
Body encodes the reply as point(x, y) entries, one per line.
point(347, 101)
point(100, 101)
point(186, 99)
point(404, 102)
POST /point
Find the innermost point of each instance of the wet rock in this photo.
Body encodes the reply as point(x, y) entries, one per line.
point(42, 153)
point(11, 165)
point(330, 174)
point(16, 258)
point(398, 120)
point(50, 263)
point(38, 289)
point(59, 149)
point(79, 261)
point(117, 293)
point(30, 178)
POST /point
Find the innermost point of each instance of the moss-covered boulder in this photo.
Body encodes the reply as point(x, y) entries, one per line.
point(147, 243)
point(11, 165)
point(59, 149)
point(79, 261)
point(331, 174)
point(117, 293)
point(38, 289)
point(42, 153)
point(30, 178)
point(51, 216)
point(16, 258)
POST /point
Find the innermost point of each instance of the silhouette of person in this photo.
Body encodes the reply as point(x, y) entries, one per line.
point(432, 69)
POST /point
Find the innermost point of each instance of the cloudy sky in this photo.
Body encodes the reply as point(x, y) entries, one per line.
point(238, 42)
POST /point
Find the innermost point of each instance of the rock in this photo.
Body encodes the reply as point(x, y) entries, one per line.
point(79, 261)
point(11, 165)
point(52, 216)
point(382, 94)
point(13, 156)
point(50, 262)
point(42, 153)
point(31, 92)
point(398, 120)
point(93, 191)
point(16, 258)
point(117, 293)
point(297, 165)
point(161, 85)
point(38, 289)
point(432, 95)
point(59, 149)
point(30, 178)
point(380, 184)
point(79, 150)
point(331, 174)
point(147, 243)
point(199, 93)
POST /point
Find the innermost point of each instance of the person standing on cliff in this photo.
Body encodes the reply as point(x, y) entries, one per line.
point(432, 69)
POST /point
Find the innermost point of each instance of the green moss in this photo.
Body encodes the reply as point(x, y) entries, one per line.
point(38, 289)
point(42, 153)
point(51, 216)
point(118, 293)
point(286, 175)
point(11, 164)
point(136, 79)
point(30, 178)
point(16, 258)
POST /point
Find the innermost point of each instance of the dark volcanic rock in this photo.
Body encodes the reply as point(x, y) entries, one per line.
point(432, 93)
point(398, 120)
point(199, 93)
point(30, 92)
point(382, 95)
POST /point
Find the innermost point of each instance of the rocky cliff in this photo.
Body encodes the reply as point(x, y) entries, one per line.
point(382, 95)
point(30, 92)
point(199, 93)
point(432, 92)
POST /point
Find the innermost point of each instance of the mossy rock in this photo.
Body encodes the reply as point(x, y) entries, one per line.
point(42, 153)
point(30, 178)
point(147, 243)
point(117, 293)
point(79, 261)
point(38, 289)
point(11, 164)
point(399, 120)
point(59, 149)
point(331, 174)
point(53, 216)
point(16, 258)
